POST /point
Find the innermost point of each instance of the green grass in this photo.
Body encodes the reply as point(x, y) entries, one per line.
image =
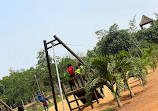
point(110, 109)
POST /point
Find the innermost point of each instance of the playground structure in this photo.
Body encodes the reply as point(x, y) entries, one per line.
point(79, 93)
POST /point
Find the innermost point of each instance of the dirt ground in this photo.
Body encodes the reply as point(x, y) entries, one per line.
point(145, 98)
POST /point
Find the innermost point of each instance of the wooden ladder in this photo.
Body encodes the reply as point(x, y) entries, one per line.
point(74, 92)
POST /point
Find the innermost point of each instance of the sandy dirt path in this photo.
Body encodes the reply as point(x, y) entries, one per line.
point(145, 99)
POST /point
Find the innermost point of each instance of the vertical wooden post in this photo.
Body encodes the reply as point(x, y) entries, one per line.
point(81, 76)
point(50, 75)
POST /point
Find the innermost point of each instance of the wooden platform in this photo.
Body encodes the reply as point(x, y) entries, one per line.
point(79, 94)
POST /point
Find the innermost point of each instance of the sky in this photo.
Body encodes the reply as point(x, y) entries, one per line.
point(24, 24)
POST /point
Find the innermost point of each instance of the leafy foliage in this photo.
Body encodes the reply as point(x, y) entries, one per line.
point(20, 85)
point(102, 77)
point(149, 34)
point(113, 41)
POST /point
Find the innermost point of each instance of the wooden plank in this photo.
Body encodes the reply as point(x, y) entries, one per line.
point(77, 102)
point(75, 91)
point(84, 105)
point(77, 99)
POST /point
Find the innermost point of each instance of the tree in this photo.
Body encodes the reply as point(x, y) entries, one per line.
point(101, 33)
point(102, 76)
point(132, 25)
point(17, 86)
point(127, 67)
point(150, 56)
point(149, 34)
point(114, 42)
point(156, 15)
point(42, 73)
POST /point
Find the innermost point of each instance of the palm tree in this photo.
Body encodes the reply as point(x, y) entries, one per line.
point(127, 67)
point(102, 76)
point(111, 70)
point(121, 66)
point(151, 55)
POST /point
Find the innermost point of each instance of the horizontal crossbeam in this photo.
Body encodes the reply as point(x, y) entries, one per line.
point(77, 99)
point(75, 91)
point(84, 105)
point(50, 42)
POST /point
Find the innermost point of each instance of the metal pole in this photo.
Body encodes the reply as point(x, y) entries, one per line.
point(50, 75)
point(61, 42)
point(58, 76)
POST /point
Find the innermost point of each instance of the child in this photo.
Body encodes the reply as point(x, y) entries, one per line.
point(45, 105)
point(70, 70)
point(71, 73)
point(40, 97)
point(81, 69)
point(77, 71)
point(67, 77)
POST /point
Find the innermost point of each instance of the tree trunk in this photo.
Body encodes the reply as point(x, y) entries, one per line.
point(116, 95)
point(118, 102)
point(129, 88)
point(154, 67)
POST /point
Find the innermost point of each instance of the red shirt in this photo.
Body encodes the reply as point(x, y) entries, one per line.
point(44, 104)
point(70, 70)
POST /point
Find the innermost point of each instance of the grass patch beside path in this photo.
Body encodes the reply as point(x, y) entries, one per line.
point(109, 109)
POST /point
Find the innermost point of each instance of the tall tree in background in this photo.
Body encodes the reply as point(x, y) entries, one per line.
point(115, 41)
point(42, 73)
point(132, 25)
point(17, 87)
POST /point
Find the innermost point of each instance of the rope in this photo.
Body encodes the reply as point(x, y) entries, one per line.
point(58, 76)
